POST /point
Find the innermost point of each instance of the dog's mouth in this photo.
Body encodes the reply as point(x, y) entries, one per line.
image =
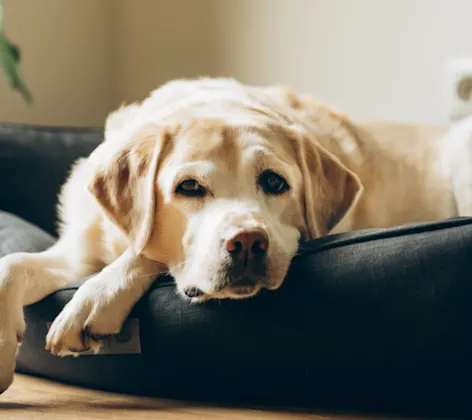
point(246, 287)
point(243, 288)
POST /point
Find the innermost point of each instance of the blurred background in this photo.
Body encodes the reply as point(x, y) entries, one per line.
point(373, 59)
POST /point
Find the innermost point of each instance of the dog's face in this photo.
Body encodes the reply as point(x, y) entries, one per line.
point(232, 196)
point(223, 206)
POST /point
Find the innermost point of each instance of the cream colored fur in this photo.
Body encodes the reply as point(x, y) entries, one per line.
point(122, 218)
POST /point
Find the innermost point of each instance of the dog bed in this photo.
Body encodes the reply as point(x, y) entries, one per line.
point(372, 318)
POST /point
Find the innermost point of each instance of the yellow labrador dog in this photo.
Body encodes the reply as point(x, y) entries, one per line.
point(217, 183)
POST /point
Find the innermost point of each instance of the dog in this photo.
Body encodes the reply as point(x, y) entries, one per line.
point(217, 183)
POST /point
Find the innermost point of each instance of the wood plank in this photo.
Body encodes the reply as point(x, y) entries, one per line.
point(34, 398)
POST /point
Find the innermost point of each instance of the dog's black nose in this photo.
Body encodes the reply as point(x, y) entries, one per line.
point(193, 292)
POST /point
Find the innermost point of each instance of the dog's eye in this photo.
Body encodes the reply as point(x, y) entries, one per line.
point(273, 183)
point(190, 188)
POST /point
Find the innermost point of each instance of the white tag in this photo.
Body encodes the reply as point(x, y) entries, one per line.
point(126, 342)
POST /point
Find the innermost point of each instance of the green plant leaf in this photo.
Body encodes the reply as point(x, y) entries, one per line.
point(10, 61)
point(10, 58)
point(1, 15)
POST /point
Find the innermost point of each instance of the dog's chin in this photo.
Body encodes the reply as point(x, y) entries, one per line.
point(274, 286)
point(244, 290)
point(240, 293)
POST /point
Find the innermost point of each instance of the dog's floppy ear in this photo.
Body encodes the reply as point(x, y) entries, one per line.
point(330, 189)
point(124, 181)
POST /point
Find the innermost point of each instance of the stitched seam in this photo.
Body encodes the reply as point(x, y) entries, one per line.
point(75, 288)
point(311, 248)
point(338, 243)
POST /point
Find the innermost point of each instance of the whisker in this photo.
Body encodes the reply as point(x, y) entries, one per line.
point(163, 271)
point(180, 264)
point(150, 274)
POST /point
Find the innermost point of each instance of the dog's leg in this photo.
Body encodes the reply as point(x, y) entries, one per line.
point(24, 279)
point(100, 306)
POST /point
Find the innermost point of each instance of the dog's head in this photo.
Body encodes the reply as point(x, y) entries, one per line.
point(221, 200)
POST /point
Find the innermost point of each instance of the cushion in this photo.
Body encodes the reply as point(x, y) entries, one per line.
point(34, 163)
point(18, 235)
point(373, 318)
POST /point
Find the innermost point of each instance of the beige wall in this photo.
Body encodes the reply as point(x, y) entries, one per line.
point(82, 58)
point(158, 40)
point(67, 61)
point(380, 59)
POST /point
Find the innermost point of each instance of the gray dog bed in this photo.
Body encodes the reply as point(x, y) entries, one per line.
point(373, 319)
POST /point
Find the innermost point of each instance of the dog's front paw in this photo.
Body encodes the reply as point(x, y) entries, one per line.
point(12, 326)
point(90, 316)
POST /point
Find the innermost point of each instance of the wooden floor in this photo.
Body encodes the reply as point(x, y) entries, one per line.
point(32, 398)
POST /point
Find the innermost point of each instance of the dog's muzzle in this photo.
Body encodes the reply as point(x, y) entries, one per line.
point(246, 253)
